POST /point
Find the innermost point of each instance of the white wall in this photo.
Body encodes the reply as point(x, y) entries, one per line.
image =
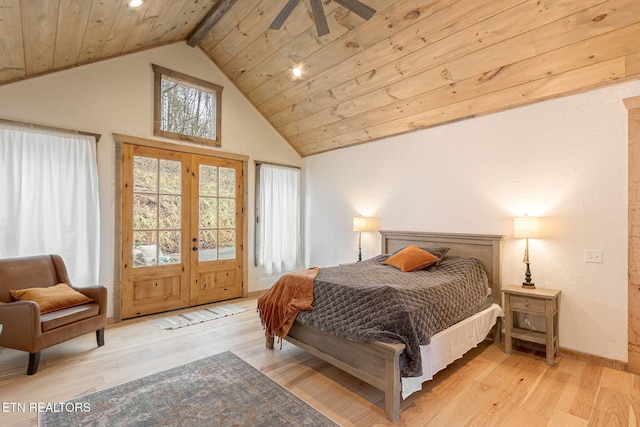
point(564, 159)
point(117, 96)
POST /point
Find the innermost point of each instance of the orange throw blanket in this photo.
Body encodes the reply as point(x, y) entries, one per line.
point(280, 305)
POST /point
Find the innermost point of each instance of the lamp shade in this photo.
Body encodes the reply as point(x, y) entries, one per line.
point(359, 223)
point(526, 226)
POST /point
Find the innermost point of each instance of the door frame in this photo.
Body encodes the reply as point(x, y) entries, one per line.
point(119, 140)
point(633, 178)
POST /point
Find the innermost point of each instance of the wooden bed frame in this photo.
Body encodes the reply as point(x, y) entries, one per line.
point(375, 362)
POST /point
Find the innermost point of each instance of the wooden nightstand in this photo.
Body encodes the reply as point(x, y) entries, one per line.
point(539, 302)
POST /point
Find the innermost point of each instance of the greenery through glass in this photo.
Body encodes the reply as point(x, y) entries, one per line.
point(217, 213)
point(157, 211)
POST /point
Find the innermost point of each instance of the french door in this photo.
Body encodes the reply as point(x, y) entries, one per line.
point(181, 230)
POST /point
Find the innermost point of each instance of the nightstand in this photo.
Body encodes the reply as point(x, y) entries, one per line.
point(539, 302)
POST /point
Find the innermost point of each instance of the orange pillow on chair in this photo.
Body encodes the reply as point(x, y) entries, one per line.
point(51, 298)
point(411, 258)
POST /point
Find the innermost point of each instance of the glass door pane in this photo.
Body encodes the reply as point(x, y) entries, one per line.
point(157, 209)
point(217, 213)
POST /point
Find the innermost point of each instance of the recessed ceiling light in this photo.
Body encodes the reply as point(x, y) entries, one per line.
point(135, 3)
point(296, 71)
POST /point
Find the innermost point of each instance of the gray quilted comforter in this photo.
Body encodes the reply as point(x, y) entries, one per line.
point(371, 301)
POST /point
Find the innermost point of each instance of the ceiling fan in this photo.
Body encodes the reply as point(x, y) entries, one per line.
point(355, 6)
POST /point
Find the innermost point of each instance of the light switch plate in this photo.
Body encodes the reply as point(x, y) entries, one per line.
point(593, 255)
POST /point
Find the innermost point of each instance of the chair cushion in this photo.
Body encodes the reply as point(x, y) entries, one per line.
point(58, 318)
point(51, 298)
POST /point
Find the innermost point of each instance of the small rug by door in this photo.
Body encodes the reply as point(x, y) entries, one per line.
point(220, 390)
point(176, 321)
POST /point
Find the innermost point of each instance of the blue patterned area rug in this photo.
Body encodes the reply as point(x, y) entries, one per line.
point(221, 390)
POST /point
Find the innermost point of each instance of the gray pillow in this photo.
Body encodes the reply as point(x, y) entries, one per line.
point(439, 252)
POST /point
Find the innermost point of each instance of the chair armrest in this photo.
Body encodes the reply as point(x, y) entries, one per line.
point(97, 293)
point(20, 321)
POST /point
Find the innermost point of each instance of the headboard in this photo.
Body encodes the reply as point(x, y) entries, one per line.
point(485, 247)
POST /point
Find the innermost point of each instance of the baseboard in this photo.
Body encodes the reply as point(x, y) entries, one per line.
point(256, 294)
point(594, 360)
point(591, 359)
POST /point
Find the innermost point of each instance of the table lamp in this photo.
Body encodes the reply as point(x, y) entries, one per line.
point(526, 227)
point(359, 225)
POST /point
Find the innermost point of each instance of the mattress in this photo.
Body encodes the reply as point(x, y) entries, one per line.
point(450, 344)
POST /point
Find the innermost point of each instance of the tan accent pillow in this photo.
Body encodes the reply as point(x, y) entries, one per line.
point(52, 298)
point(411, 258)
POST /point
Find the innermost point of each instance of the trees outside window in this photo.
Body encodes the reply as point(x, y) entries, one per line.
point(186, 108)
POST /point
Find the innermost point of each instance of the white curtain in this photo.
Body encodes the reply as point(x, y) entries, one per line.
point(49, 198)
point(278, 228)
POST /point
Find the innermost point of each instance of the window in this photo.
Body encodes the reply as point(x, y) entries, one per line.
point(186, 108)
point(49, 193)
point(278, 218)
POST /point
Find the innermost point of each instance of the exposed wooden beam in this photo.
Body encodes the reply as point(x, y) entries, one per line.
point(214, 15)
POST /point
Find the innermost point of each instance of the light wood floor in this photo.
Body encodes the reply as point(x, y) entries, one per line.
point(486, 388)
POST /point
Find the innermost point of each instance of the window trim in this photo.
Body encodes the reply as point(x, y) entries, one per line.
point(159, 72)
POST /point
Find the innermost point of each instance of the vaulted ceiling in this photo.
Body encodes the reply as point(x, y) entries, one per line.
point(414, 64)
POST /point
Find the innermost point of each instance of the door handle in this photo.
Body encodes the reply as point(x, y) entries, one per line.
point(195, 248)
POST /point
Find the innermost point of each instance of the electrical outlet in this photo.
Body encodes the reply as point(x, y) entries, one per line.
point(593, 255)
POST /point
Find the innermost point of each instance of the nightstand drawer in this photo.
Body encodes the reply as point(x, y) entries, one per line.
point(530, 305)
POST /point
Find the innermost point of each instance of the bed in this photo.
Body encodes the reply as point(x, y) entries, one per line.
point(379, 363)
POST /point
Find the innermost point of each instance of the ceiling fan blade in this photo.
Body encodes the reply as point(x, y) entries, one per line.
point(284, 14)
point(319, 18)
point(359, 8)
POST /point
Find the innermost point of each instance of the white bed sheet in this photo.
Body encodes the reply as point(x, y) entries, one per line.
point(451, 344)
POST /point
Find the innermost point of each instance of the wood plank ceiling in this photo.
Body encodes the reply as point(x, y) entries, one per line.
point(414, 64)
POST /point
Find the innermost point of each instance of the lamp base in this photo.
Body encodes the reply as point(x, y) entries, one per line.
point(528, 284)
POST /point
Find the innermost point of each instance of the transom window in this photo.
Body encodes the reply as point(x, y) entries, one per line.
point(186, 108)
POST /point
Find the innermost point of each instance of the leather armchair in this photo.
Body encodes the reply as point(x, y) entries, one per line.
point(25, 328)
